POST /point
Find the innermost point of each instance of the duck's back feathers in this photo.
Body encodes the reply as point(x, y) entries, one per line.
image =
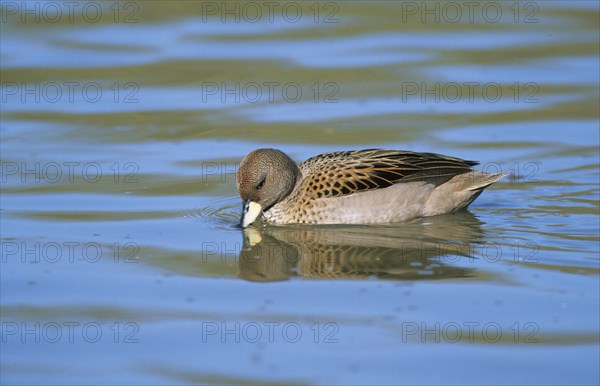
point(346, 172)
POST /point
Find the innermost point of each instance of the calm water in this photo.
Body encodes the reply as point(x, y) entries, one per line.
point(122, 124)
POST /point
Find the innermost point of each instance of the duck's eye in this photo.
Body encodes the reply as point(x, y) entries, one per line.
point(260, 185)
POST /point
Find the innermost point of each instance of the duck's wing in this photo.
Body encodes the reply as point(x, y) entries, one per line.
point(347, 172)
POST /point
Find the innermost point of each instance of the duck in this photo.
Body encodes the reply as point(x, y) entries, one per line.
point(370, 186)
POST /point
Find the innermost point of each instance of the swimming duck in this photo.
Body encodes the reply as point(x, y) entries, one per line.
point(371, 186)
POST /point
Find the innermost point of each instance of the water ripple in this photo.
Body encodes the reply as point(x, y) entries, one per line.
point(220, 212)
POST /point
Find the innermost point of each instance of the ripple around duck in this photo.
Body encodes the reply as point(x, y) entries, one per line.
point(220, 212)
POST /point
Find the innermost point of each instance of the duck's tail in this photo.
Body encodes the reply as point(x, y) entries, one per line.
point(481, 180)
point(459, 192)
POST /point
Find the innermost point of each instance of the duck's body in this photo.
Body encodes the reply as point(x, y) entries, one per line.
point(356, 187)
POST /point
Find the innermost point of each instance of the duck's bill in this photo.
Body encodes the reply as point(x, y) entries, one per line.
point(251, 212)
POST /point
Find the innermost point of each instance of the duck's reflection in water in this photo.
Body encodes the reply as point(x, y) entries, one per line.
point(430, 248)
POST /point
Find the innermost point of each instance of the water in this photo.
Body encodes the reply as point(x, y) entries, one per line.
point(122, 124)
